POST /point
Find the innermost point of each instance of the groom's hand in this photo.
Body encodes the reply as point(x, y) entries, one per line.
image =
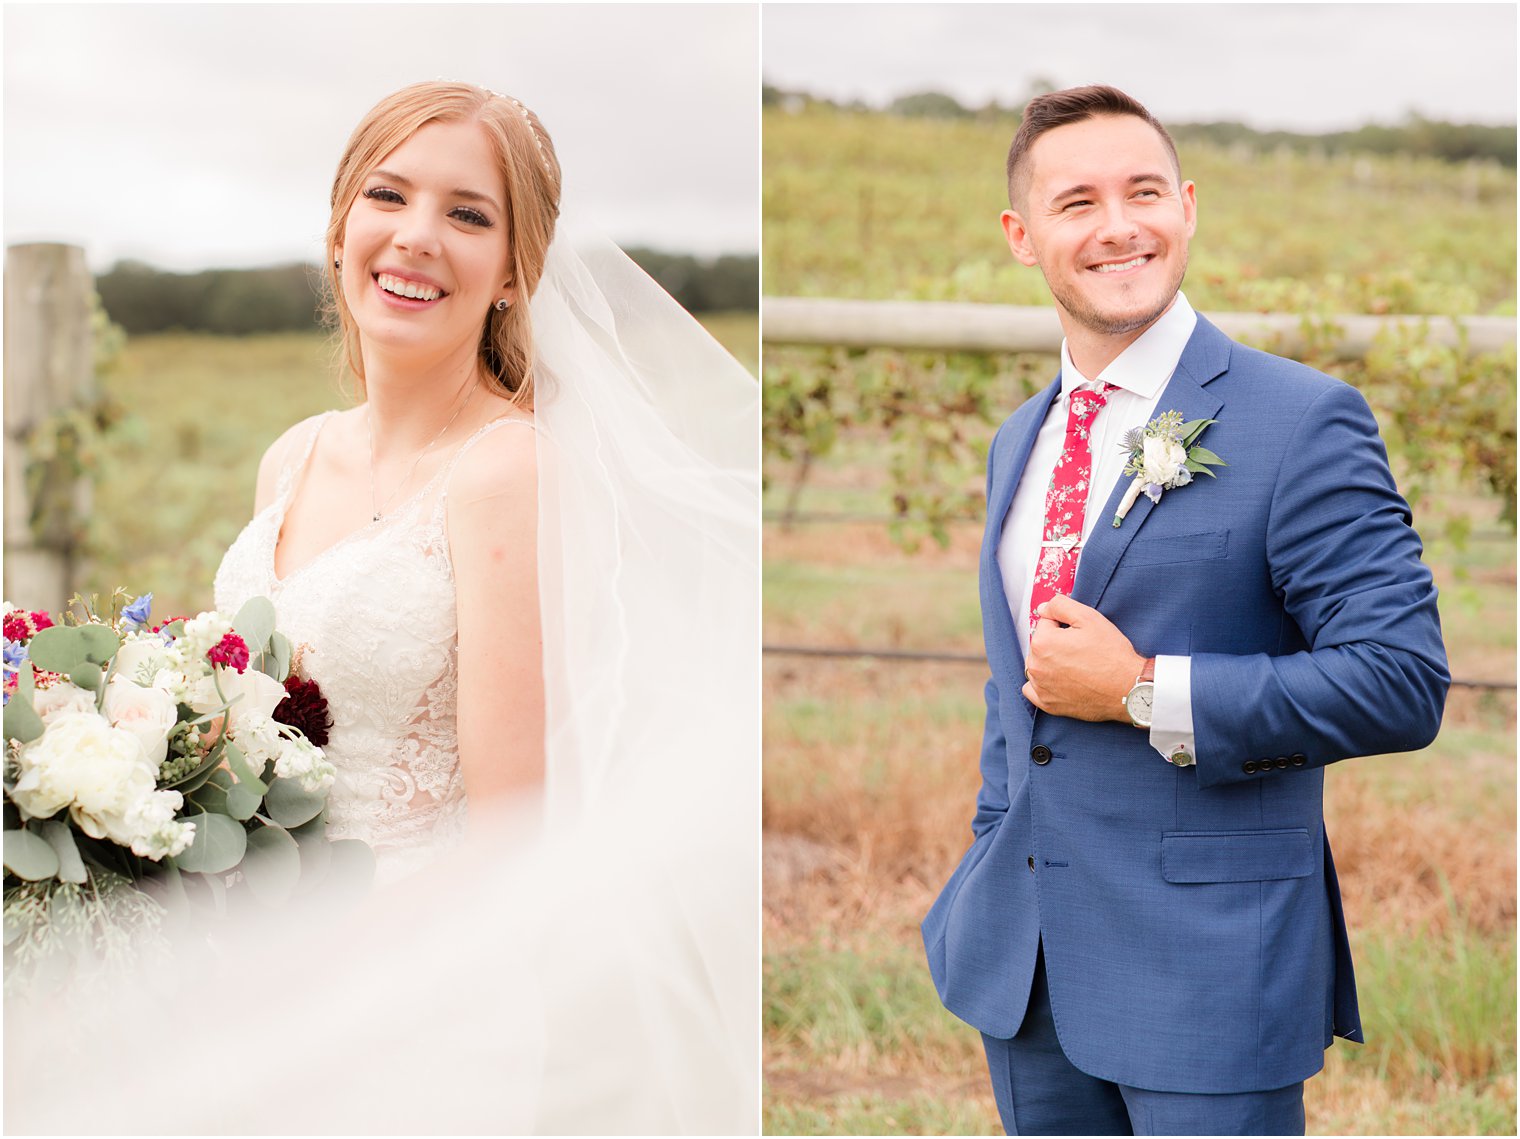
point(1084, 670)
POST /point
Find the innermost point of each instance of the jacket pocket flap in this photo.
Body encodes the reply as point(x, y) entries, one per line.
point(1236, 856)
point(1162, 549)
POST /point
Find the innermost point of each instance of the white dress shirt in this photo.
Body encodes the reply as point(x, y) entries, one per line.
point(1140, 373)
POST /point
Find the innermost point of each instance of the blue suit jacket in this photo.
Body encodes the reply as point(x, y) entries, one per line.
point(1190, 916)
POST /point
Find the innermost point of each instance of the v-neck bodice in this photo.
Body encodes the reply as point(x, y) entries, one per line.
point(374, 620)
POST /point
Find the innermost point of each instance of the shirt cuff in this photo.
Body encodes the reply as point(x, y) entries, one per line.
point(1172, 708)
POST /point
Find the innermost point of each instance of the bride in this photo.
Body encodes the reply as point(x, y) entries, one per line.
point(398, 539)
point(524, 572)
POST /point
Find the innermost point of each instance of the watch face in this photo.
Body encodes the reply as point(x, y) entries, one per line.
point(1139, 702)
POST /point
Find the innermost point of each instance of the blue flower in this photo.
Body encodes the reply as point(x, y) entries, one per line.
point(1153, 491)
point(1182, 477)
point(137, 612)
point(15, 653)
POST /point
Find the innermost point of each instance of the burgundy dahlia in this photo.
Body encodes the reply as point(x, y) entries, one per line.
point(305, 709)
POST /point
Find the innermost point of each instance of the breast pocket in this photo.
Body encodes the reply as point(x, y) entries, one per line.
point(1162, 549)
point(1189, 857)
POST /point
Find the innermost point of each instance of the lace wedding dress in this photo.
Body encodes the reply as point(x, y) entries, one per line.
point(373, 620)
point(592, 969)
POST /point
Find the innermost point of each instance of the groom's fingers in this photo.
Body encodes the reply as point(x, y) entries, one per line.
point(1063, 609)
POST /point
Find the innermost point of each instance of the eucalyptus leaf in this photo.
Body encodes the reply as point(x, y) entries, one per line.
point(100, 642)
point(242, 802)
point(255, 622)
point(353, 864)
point(243, 770)
point(277, 656)
point(26, 682)
point(29, 856)
point(207, 891)
point(61, 839)
point(290, 805)
point(59, 649)
point(316, 854)
point(212, 796)
point(87, 674)
point(272, 866)
point(22, 722)
point(218, 846)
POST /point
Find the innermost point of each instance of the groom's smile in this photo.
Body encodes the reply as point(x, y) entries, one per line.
point(1107, 221)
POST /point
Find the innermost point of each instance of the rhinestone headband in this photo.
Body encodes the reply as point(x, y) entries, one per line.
point(538, 142)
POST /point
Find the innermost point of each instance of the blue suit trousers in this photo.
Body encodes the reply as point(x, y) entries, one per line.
point(1040, 1092)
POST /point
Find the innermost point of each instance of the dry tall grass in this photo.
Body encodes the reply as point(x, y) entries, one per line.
point(870, 776)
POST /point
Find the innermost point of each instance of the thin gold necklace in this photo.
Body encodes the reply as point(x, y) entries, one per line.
point(379, 508)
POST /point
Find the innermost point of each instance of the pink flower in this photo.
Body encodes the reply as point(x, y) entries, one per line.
point(230, 652)
point(21, 626)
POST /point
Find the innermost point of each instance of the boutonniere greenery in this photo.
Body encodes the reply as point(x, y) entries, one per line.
point(1164, 454)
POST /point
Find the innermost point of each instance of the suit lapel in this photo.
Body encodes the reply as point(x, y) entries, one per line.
point(1206, 356)
point(1005, 655)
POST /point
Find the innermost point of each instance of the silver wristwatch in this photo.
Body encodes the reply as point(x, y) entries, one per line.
point(1140, 699)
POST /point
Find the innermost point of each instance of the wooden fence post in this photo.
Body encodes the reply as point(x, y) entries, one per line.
point(49, 369)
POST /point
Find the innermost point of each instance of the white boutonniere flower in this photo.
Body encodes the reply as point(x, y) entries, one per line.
point(1164, 454)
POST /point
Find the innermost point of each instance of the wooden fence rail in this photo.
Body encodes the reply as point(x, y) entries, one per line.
point(958, 327)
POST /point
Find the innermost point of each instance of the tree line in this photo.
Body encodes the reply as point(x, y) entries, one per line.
point(1416, 135)
point(282, 298)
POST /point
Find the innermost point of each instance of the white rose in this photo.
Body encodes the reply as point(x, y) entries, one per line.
point(1163, 459)
point(251, 692)
point(85, 764)
point(62, 699)
point(141, 658)
point(148, 713)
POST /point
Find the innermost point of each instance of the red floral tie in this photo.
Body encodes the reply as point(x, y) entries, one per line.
point(1055, 569)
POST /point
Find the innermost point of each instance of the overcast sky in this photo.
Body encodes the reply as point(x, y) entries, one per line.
point(202, 135)
point(1309, 67)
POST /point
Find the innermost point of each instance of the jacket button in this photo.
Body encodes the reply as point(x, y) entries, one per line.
point(1040, 754)
point(1031, 864)
point(1249, 767)
point(1297, 760)
point(1280, 762)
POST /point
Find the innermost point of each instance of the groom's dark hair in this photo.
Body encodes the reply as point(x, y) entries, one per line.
point(1074, 105)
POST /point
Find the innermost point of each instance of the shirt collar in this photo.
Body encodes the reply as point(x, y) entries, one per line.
point(1146, 364)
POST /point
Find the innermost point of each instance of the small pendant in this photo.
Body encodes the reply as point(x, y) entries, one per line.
point(377, 516)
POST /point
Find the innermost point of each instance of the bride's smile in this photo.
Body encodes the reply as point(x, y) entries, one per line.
point(425, 251)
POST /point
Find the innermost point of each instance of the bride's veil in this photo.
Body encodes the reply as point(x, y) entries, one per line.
point(589, 968)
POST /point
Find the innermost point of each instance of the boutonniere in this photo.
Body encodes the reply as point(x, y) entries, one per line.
point(1163, 454)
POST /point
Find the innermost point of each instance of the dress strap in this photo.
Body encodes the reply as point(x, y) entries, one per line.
point(292, 469)
point(447, 473)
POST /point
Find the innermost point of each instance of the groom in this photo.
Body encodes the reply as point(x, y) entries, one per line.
point(1147, 928)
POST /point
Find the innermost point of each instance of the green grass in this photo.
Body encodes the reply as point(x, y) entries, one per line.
point(878, 206)
point(921, 1114)
point(177, 475)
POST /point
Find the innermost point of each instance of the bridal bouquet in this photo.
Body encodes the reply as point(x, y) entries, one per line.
point(148, 767)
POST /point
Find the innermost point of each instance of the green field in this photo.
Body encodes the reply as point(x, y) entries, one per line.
point(870, 765)
point(177, 473)
point(880, 207)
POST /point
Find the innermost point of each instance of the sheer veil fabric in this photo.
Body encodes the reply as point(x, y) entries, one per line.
point(589, 964)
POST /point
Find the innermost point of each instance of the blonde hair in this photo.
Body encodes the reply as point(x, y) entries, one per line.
point(526, 159)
